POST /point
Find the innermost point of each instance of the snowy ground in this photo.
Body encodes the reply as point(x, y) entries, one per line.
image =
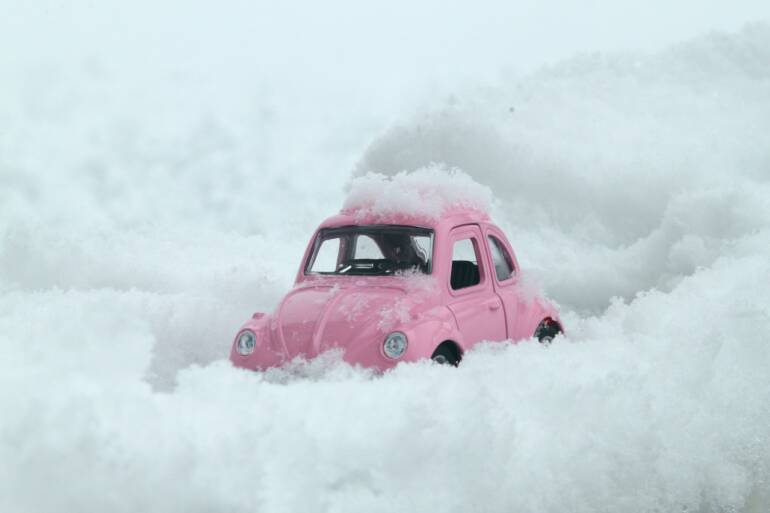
point(145, 215)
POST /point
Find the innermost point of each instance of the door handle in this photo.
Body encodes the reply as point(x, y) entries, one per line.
point(494, 305)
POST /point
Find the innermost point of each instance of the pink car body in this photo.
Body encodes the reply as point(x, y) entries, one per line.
point(442, 308)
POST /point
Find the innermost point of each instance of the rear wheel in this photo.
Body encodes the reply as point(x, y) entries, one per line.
point(446, 354)
point(547, 330)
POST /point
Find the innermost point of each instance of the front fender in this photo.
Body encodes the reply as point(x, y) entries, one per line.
point(424, 334)
point(427, 333)
point(267, 350)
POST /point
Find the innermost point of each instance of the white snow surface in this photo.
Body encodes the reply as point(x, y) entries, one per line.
point(142, 222)
point(425, 193)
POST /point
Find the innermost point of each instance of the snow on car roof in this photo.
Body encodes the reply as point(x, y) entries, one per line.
point(424, 196)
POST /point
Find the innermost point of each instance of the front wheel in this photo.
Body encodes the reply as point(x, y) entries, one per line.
point(445, 354)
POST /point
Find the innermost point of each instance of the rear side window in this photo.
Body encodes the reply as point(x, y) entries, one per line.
point(465, 264)
point(501, 259)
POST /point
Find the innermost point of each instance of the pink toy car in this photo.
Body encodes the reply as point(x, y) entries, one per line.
point(401, 290)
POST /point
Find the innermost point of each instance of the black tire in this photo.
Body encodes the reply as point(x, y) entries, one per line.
point(547, 330)
point(446, 354)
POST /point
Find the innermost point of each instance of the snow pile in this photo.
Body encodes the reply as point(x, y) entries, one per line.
point(424, 194)
point(136, 236)
point(624, 172)
point(673, 414)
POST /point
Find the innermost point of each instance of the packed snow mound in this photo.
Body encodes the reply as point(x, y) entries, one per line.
point(140, 227)
point(427, 193)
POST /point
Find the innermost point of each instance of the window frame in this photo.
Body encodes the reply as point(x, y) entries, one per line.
point(491, 239)
point(494, 231)
point(345, 247)
point(473, 233)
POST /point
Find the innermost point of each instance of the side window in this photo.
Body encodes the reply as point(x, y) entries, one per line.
point(465, 264)
point(501, 259)
point(326, 259)
point(366, 248)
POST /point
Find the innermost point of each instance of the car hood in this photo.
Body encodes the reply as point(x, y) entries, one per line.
point(315, 318)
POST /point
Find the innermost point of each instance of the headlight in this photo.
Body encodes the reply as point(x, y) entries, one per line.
point(246, 342)
point(395, 345)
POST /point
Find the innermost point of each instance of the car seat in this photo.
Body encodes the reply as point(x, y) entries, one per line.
point(464, 274)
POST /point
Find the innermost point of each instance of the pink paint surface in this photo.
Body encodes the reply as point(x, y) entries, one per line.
point(355, 313)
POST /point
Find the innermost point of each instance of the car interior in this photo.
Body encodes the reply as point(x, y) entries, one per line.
point(465, 267)
point(464, 274)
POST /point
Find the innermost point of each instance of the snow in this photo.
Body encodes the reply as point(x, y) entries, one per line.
point(145, 214)
point(426, 194)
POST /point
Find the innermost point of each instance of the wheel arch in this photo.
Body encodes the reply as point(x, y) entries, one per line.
point(456, 348)
point(549, 323)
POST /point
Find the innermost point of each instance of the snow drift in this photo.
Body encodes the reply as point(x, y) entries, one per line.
point(625, 172)
point(635, 187)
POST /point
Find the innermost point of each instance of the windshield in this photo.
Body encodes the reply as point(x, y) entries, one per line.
point(374, 250)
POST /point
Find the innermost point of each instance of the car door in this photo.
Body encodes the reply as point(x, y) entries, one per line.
point(472, 299)
point(505, 278)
